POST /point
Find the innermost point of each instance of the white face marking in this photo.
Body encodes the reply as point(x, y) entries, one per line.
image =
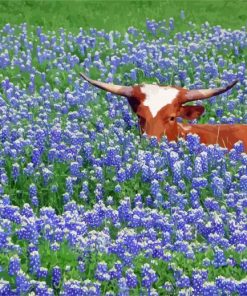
point(157, 97)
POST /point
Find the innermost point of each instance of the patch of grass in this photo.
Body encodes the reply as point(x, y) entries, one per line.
point(119, 15)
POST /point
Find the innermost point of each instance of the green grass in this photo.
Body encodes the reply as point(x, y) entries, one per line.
point(119, 15)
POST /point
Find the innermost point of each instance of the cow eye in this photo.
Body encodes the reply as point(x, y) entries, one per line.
point(172, 118)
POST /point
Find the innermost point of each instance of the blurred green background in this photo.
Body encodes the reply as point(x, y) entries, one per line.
point(119, 15)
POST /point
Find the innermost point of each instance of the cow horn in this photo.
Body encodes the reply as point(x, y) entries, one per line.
point(125, 91)
point(201, 94)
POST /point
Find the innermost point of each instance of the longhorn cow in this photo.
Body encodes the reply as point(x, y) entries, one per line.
point(157, 108)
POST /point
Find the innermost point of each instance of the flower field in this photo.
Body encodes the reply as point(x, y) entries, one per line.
point(88, 207)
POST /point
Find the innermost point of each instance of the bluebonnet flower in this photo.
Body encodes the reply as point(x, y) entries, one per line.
point(182, 14)
point(194, 198)
point(74, 287)
point(133, 74)
point(56, 275)
point(217, 186)
point(115, 273)
point(55, 246)
point(1, 189)
point(153, 142)
point(168, 287)
point(52, 154)
point(69, 185)
point(219, 258)
point(54, 188)
point(4, 178)
point(121, 175)
point(42, 272)
point(211, 204)
point(75, 169)
point(243, 264)
point(155, 187)
point(177, 171)
point(5, 288)
point(199, 183)
point(34, 262)
point(198, 166)
point(36, 157)
point(127, 258)
point(32, 190)
point(35, 201)
point(99, 173)
point(99, 192)
point(171, 23)
point(32, 248)
point(173, 157)
point(123, 288)
point(23, 282)
point(131, 278)
point(47, 174)
point(197, 283)
point(188, 172)
point(239, 147)
point(81, 266)
point(209, 289)
point(182, 185)
point(15, 171)
point(183, 282)
point(148, 276)
point(193, 142)
point(225, 284)
point(231, 261)
point(83, 195)
point(14, 265)
point(206, 262)
point(242, 287)
point(101, 272)
point(43, 290)
point(243, 183)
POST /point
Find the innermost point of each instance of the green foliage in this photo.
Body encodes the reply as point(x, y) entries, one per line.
point(119, 15)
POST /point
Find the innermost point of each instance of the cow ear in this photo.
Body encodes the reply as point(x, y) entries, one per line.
point(190, 112)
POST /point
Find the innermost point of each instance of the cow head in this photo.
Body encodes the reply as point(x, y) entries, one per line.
point(157, 107)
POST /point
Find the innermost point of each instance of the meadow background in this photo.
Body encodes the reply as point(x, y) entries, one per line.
point(86, 208)
point(119, 15)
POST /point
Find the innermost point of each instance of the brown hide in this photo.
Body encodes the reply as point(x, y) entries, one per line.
point(226, 135)
point(163, 122)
